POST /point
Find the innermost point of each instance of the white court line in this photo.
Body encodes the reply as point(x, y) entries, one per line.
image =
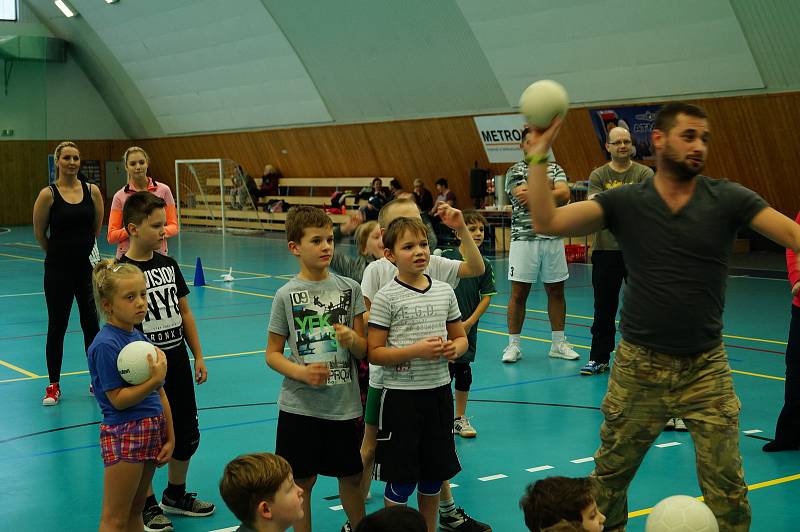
point(582, 460)
point(752, 431)
point(453, 485)
point(26, 294)
point(539, 468)
point(337, 508)
point(229, 529)
point(669, 444)
point(492, 477)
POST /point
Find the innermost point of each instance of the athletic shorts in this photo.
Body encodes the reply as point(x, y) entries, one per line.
point(371, 411)
point(529, 260)
point(133, 441)
point(315, 446)
point(415, 436)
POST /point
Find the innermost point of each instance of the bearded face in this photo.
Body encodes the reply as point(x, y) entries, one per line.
point(683, 166)
point(683, 149)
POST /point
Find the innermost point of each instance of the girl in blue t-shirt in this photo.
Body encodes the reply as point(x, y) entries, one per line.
point(136, 434)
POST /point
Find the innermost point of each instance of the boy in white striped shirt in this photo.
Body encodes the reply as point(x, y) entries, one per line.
point(415, 329)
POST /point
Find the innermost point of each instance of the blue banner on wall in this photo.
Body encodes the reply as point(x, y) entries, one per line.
point(51, 169)
point(637, 119)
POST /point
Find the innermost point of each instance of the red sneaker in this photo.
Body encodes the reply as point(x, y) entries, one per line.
point(52, 394)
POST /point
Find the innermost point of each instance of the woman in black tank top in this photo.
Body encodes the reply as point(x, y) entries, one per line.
point(67, 217)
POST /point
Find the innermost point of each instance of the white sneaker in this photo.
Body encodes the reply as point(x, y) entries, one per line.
point(511, 353)
point(464, 428)
point(563, 350)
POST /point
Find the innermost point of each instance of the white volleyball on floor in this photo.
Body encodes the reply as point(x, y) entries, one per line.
point(542, 101)
point(132, 361)
point(681, 513)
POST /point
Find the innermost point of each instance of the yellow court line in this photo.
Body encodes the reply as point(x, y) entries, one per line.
point(20, 257)
point(763, 340)
point(259, 274)
point(532, 338)
point(758, 486)
point(773, 377)
point(31, 376)
point(238, 292)
point(19, 369)
point(754, 339)
point(243, 353)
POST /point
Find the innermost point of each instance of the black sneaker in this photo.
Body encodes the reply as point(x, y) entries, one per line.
point(346, 527)
point(188, 504)
point(155, 520)
point(459, 521)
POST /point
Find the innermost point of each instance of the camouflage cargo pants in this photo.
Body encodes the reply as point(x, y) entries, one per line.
point(647, 388)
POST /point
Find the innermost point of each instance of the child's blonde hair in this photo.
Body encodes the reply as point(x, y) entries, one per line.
point(105, 276)
point(362, 235)
point(131, 150)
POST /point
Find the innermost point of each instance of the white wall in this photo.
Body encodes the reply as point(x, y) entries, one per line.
point(51, 100)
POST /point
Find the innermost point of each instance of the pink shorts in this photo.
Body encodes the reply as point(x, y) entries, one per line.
point(133, 441)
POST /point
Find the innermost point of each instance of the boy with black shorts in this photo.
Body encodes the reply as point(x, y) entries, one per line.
point(473, 295)
point(320, 313)
point(415, 330)
point(169, 325)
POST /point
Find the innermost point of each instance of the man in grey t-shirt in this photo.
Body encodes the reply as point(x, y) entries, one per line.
point(608, 268)
point(676, 231)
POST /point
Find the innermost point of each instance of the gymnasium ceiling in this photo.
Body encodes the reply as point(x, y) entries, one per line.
point(171, 67)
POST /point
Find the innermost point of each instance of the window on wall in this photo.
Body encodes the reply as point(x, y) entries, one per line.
point(8, 9)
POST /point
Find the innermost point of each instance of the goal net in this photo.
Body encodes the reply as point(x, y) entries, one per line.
point(212, 195)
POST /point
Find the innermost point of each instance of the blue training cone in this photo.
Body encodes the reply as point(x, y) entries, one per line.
point(199, 278)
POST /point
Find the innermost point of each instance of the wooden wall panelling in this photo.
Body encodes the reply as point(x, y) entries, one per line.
point(755, 142)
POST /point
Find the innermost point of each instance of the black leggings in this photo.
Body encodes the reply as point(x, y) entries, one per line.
point(61, 285)
point(787, 431)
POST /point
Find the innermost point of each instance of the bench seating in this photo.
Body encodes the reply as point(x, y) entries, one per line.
point(207, 211)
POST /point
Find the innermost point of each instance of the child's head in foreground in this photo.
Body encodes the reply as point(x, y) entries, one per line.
point(476, 225)
point(405, 244)
point(368, 238)
point(397, 208)
point(260, 488)
point(144, 217)
point(551, 500)
point(309, 232)
point(119, 292)
point(393, 519)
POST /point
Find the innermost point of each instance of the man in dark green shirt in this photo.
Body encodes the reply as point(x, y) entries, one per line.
point(676, 231)
point(608, 268)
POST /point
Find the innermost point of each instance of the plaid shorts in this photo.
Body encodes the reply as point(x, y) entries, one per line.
point(133, 441)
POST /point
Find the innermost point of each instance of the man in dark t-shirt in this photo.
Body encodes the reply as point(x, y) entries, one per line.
point(676, 232)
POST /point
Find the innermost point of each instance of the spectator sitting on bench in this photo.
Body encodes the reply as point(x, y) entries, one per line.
point(269, 182)
point(375, 198)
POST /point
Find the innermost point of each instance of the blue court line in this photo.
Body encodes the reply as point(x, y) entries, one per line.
point(546, 379)
point(97, 445)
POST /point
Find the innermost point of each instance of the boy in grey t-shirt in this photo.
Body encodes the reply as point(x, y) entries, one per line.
point(320, 314)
